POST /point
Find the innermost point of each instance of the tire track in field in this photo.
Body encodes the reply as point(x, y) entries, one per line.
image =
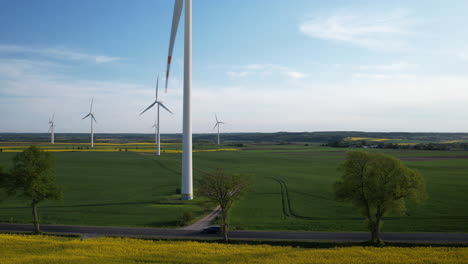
point(162, 164)
point(288, 211)
point(286, 201)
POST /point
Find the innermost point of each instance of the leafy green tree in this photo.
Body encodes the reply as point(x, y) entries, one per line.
point(223, 190)
point(376, 184)
point(33, 177)
point(3, 178)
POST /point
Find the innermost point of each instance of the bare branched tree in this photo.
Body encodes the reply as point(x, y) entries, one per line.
point(223, 190)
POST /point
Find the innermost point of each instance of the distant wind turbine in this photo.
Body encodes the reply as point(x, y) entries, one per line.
point(217, 125)
point(187, 170)
point(51, 129)
point(91, 115)
point(156, 125)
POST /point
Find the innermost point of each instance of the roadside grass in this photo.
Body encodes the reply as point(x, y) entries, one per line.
point(47, 249)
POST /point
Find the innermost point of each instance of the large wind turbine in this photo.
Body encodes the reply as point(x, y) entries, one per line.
point(187, 180)
point(91, 115)
point(217, 125)
point(51, 129)
point(156, 125)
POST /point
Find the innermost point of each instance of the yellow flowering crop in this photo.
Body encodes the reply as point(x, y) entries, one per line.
point(357, 138)
point(50, 250)
point(366, 138)
point(380, 139)
point(145, 150)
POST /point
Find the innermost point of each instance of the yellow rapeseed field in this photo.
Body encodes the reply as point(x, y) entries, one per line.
point(451, 141)
point(99, 147)
point(50, 250)
point(357, 138)
point(366, 138)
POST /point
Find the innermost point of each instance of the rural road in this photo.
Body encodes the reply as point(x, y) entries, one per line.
point(91, 231)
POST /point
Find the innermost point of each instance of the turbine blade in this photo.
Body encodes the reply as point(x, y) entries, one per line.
point(157, 87)
point(215, 126)
point(53, 117)
point(175, 24)
point(91, 108)
point(216, 118)
point(92, 116)
point(86, 116)
point(149, 107)
point(163, 106)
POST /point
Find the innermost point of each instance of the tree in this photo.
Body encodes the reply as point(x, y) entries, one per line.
point(3, 177)
point(223, 190)
point(33, 177)
point(376, 184)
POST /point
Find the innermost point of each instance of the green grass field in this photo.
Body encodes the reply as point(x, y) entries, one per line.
point(108, 188)
point(291, 190)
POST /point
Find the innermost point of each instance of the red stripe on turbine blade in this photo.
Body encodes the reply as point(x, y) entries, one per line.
point(169, 58)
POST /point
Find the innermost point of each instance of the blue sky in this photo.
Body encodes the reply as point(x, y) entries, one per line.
point(262, 66)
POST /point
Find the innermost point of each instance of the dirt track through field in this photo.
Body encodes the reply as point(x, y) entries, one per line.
point(343, 153)
point(429, 158)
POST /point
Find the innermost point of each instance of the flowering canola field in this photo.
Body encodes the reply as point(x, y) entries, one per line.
point(46, 249)
point(144, 147)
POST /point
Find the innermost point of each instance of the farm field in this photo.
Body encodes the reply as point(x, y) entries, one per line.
point(108, 188)
point(291, 190)
point(43, 249)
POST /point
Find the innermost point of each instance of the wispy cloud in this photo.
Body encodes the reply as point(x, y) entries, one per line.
point(371, 31)
point(396, 70)
point(382, 76)
point(396, 66)
point(31, 90)
point(59, 53)
point(295, 75)
point(264, 69)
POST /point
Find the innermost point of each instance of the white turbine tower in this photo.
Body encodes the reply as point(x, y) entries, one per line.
point(51, 129)
point(217, 125)
point(91, 115)
point(156, 125)
point(187, 180)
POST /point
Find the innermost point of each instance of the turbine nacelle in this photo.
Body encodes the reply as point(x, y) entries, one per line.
point(90, 113)
point(159, 103)
point(218, 122)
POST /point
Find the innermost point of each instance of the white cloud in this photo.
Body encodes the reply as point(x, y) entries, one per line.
point(262, 70)
point(371, 76)
point(59, 53)
point(238, 74)
point(295, 75)
point(372, 31)
point(31, 90)
point(396, 66)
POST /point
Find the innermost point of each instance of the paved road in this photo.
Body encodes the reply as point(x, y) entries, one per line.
point(92, 231)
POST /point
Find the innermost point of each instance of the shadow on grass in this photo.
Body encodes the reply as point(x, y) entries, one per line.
point(315, 244)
